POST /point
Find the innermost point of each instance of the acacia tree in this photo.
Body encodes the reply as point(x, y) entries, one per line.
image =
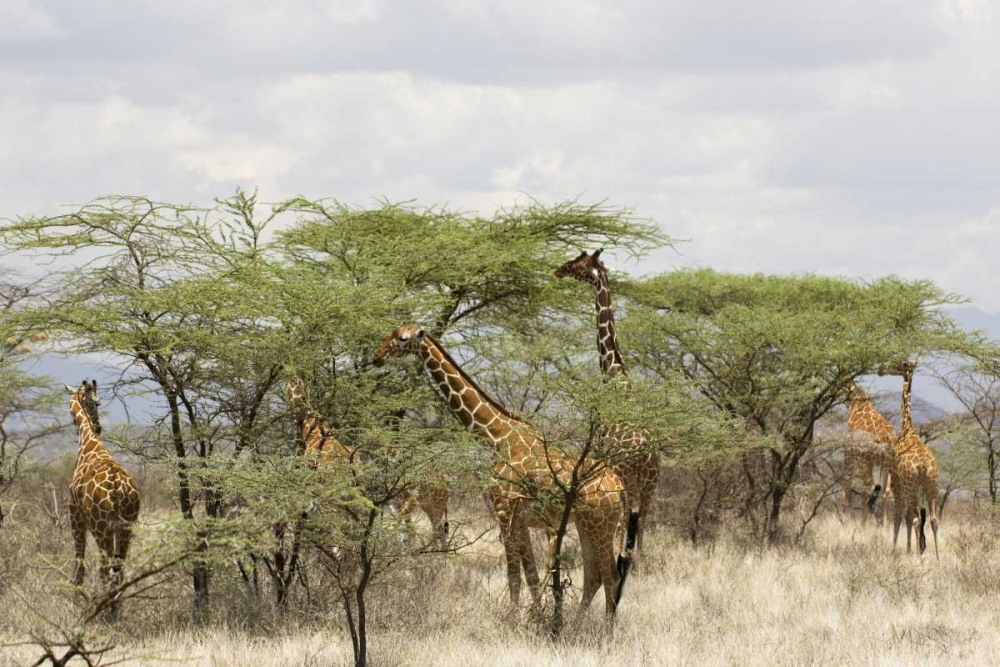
point(198, 310)
point(977, 387)
point(778, 352)
point(165, 289)
point(28, 403)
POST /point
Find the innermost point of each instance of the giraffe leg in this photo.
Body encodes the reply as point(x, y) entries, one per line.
point(604, 554)
point(933, 503)
point(868, 488)
point(436, 514)
point(911, 517)
point(122, 540)
point(846, 482)
point(115, 552)
point(511, 554)
point(107, 544)
point(528, 564)
point(404, 512)
point(897, 519)
point(591, 573)
point(78, 525)
point(645, 508)
point(886, 494)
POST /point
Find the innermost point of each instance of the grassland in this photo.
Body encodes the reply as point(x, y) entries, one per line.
point(841, 598)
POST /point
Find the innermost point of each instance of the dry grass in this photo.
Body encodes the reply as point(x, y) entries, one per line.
point(842, 599)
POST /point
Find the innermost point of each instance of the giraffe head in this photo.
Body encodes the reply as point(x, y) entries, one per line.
point(585, 268)
point(294, 387)
point(86, 394)
point(897, 368)
point(855, 393)
point(404, 340)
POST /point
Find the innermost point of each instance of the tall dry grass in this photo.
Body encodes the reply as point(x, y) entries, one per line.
point(843, 597)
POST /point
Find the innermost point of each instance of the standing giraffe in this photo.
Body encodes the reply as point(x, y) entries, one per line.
point(317, 436)
point(871, 444)
point(103, 498)
point(638, 468)
point(525, 466)
point(915, 474)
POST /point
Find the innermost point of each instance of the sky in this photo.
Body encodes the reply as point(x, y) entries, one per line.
point(857, 138)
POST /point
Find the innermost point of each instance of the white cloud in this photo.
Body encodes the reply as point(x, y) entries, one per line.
point(257, 164)
point(24, 19)
point(855, 138)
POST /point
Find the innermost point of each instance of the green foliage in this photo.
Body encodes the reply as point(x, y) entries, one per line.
point(778, 351)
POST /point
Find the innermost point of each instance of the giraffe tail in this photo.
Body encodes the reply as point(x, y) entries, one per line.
point(625, 557)
point(876, 492)
point(923, 536)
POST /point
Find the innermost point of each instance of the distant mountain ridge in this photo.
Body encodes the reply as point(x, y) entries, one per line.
point(976, 319)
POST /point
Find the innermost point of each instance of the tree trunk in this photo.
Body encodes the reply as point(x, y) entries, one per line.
point(558, 589)
point(696, 522)
point(774, 517)
point(199, 574)
point(361, 645)
point(991, 463)
point(783, 474)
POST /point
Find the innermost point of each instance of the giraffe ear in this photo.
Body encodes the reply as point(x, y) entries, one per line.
point(597, 254)
point(421, 334)
point(69, 389)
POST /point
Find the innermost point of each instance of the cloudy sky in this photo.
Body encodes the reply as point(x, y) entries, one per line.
point(858, 137)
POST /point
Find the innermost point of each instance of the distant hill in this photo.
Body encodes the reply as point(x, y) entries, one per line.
point(889, 404)
point(972, 318)
point(931, 397)
point(72, 371)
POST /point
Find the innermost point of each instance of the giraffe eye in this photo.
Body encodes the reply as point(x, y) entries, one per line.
point(403, 339)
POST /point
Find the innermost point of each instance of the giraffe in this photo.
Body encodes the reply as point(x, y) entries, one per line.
point(524, 466)
point(103, 498)
point(870, 445)
point(315, 431)
point(318, 438)
point(639, 469)
point(916, 473)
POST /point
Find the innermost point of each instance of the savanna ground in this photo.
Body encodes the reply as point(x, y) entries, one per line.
point(840, 597)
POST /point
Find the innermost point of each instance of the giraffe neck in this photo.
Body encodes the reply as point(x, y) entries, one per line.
point(89, 442)
point(607, 340)
point(860, 404)
point(905, 413)
point(474, 408)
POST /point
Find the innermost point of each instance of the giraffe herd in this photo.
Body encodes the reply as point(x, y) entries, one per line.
point(613, 500)
point(907, 467)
